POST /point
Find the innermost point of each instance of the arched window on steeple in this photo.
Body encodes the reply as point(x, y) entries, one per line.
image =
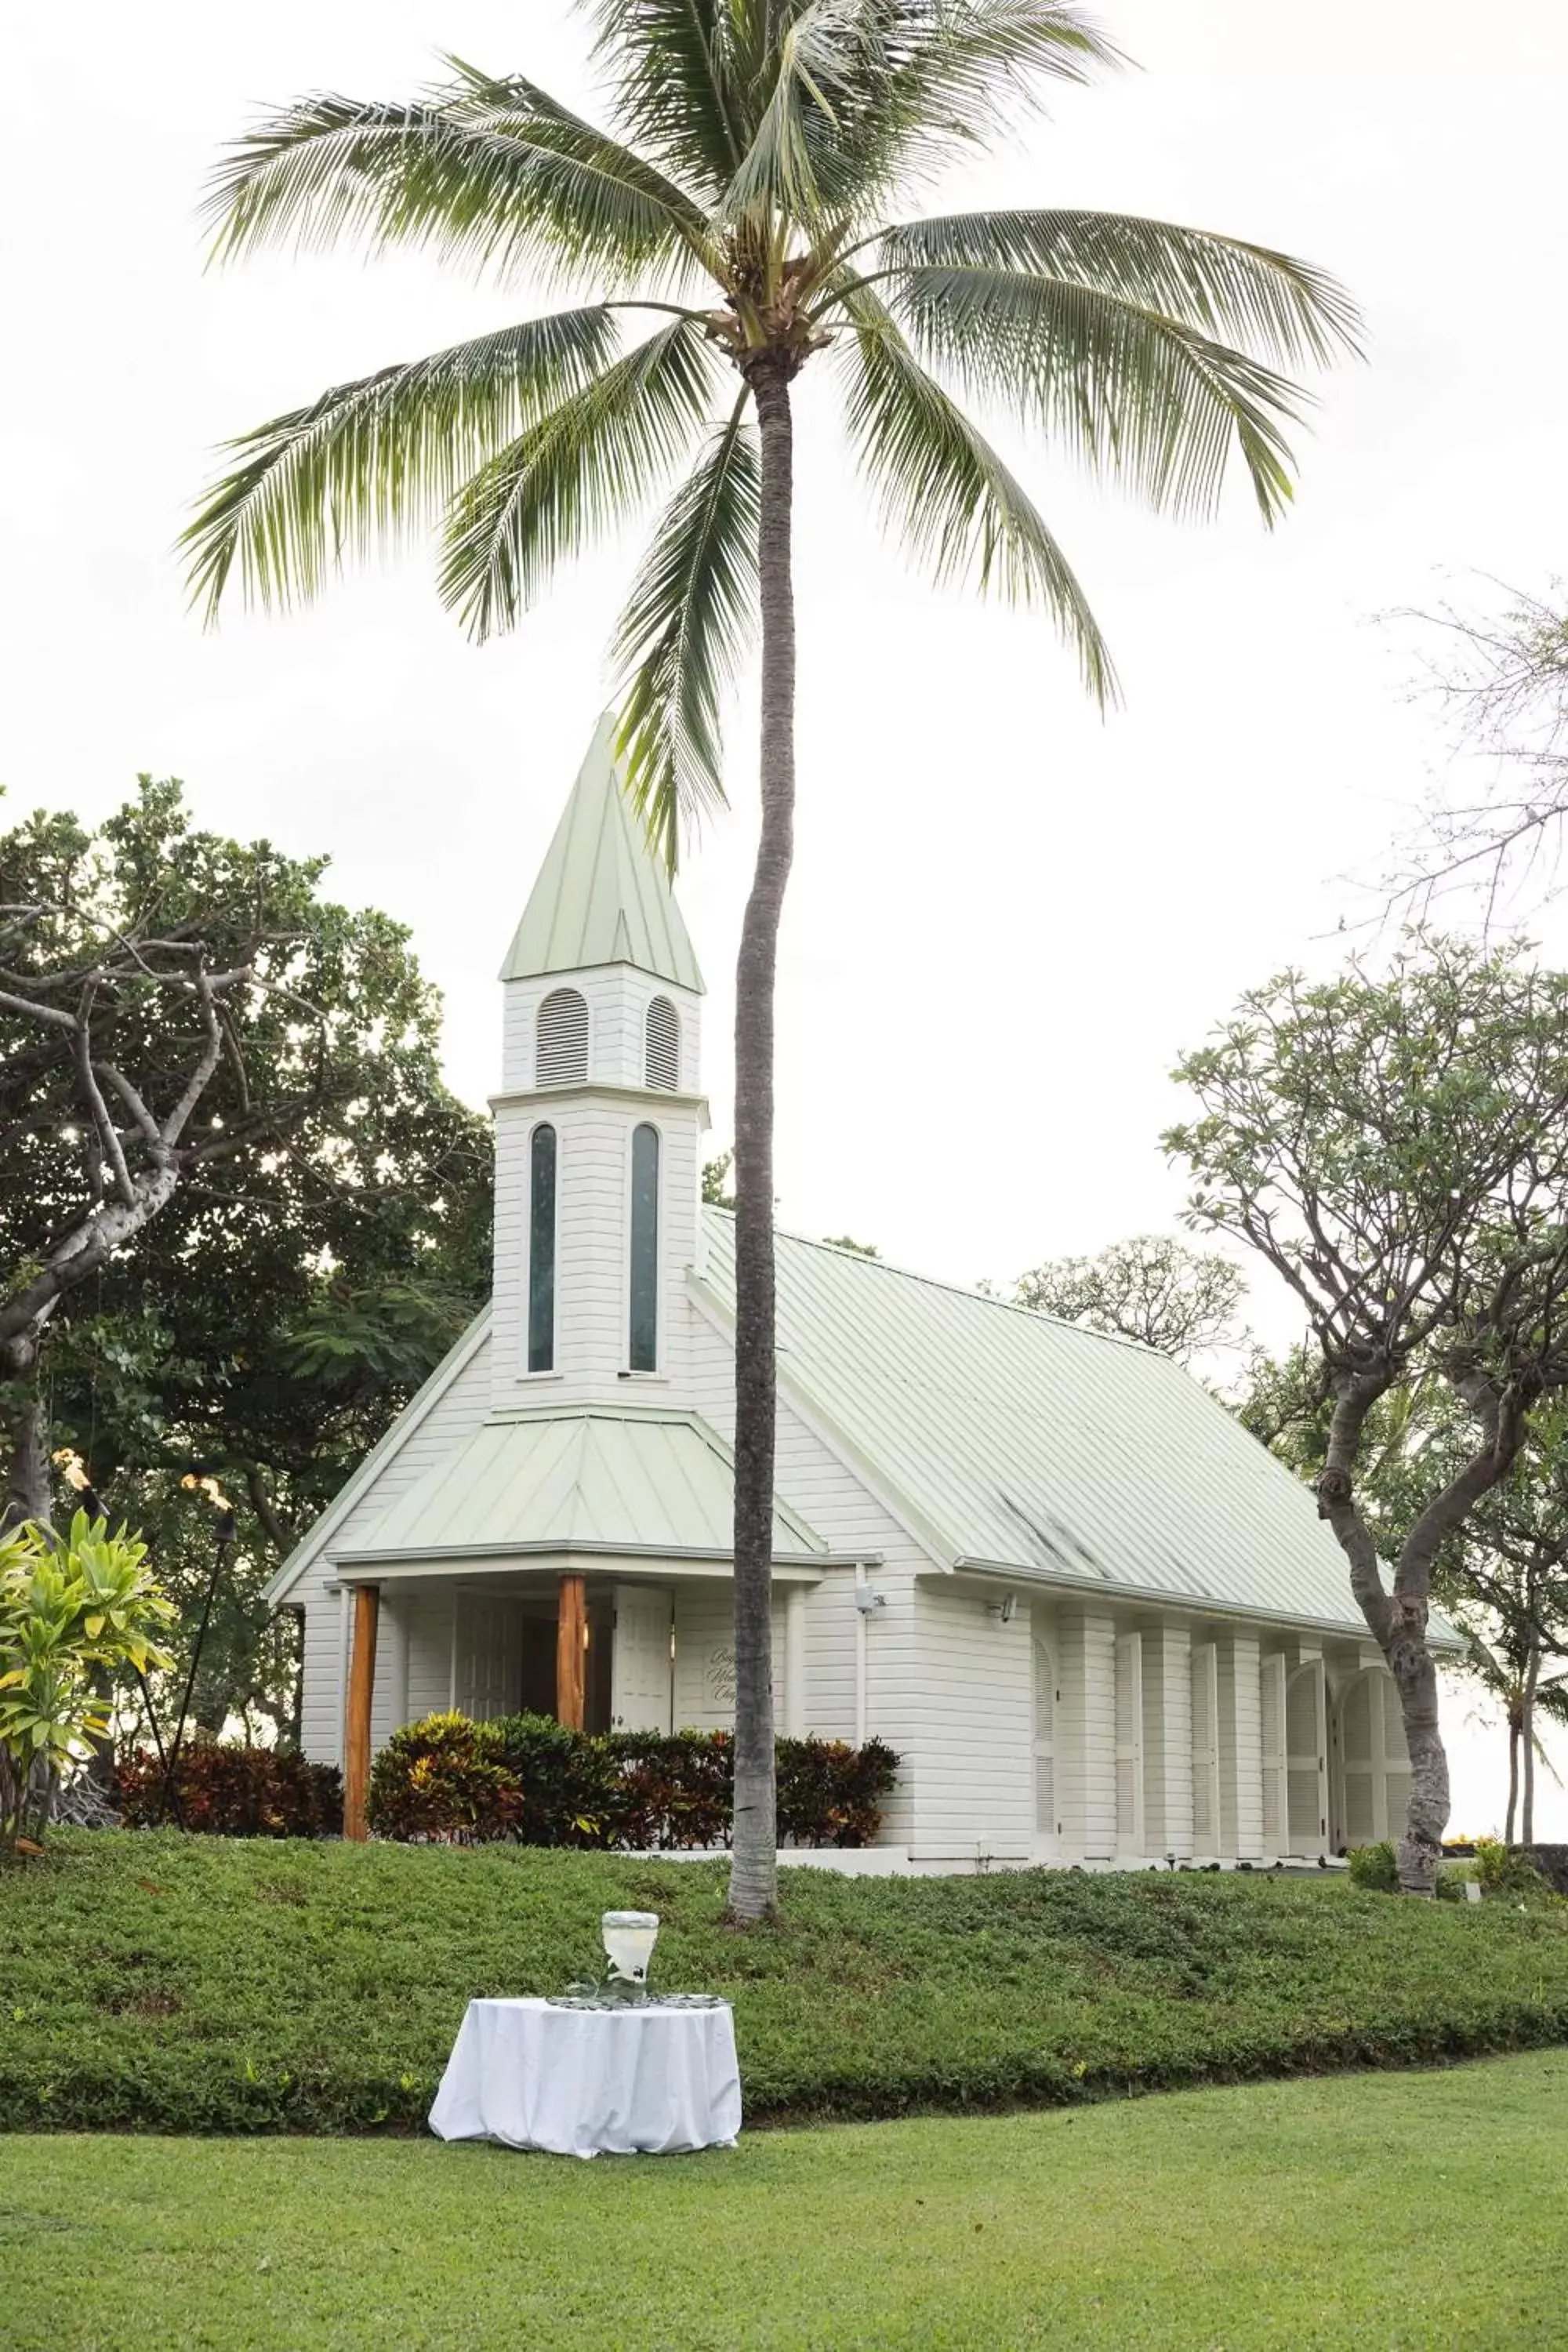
point(661, 1046)
point(643, 1351)
point(561, 1040)
point(542, 1251)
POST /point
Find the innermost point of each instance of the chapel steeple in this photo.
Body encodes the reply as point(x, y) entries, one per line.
point(600, 1117)
point(602, 897)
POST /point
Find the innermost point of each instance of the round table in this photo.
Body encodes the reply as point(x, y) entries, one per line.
point(589, 2082)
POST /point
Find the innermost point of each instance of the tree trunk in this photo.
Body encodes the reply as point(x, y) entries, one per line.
point(753, 1874)
point(1415, 1675)
point(1511, 1822)
point(28, 1484)
point(1527, 1739)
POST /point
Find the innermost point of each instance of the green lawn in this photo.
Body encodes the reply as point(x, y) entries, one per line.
point(1416, 2209)
point(185, 1984)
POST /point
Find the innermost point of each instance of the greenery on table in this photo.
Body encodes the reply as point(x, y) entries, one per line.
point(1253, 2217)
point(158, 1981)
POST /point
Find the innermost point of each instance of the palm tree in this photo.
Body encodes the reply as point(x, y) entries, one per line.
point(747, 208)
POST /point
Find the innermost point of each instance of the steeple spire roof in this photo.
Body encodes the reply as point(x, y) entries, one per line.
point(602, 895)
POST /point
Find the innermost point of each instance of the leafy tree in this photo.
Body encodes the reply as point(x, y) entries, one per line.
point(747, 207)
point(847, 1242)
point(1501, 1575)
point(1396, 1146)
point(716, 1190)
point(1151, 1288)
point(319, 1230)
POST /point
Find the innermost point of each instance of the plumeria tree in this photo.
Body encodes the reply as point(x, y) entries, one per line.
point(1394, 1145)
point(743, 218)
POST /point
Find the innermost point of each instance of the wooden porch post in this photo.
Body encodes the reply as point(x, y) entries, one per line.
point(571, 1629)
point(361, 1689)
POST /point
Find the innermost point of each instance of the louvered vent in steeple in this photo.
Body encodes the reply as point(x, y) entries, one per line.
point(662, 1050)
point(560, 1057)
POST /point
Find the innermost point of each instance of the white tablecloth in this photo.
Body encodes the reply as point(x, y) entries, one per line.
point(586, 2082)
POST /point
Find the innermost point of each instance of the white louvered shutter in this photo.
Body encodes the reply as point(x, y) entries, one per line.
point(1361, 1758)
point(1045, 1740)
point(1129, 1742)
point(1271, 1680)
point(1307, 1745)
point(1205, 1748)
point(561, 1057)
point(661, 1051)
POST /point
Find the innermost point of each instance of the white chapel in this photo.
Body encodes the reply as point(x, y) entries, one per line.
point(1094, 1617)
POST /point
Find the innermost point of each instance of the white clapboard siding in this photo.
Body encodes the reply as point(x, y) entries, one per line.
point(704, 1679)
point(1273, 1675)
point(1307, 1758)
point(1045, 1666)
point(812, 1478)
point(972, 1725)
point(1130, 1838)
point(1086, 1734)
point(1205, 1747)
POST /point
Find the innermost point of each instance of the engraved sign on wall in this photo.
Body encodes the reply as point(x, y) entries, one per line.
point(718, 1676)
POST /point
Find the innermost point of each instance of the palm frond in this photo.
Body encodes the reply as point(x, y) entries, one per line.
point(495, 177)
point(685, 630)
point(381, 455)
point(855, 94)
point(971, 65)
point(1127, 391)
point(590, 462)
point(1269, 302)
point(672, 63)
point(948, 495)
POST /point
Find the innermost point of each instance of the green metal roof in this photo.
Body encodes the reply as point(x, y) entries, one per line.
point(602, 895)
point(595, 1479)
point(1008, 1440)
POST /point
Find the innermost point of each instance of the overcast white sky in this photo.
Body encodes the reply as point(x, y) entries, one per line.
point(1008, 916)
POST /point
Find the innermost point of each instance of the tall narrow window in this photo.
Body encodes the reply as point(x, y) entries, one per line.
point(661, 1046)
point(644, 1352)
point(541, 1251)
point(560, 1045)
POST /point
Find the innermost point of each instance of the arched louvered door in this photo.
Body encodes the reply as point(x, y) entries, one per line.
point(1044, 1745)
point(1373, 1761)
point(1307, 1758)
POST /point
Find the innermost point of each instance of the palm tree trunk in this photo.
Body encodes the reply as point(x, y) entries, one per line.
point(753, 1874)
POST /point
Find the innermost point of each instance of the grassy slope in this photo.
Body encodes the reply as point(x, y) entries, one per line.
point(193, 1984)
point(1408, 2210)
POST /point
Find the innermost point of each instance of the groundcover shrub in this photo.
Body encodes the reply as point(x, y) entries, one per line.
point(159, 1982)
point(527, 1778)
point(233, 1791)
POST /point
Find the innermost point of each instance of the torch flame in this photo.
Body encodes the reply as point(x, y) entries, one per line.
point(72, 1469)
point(210, 1488)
